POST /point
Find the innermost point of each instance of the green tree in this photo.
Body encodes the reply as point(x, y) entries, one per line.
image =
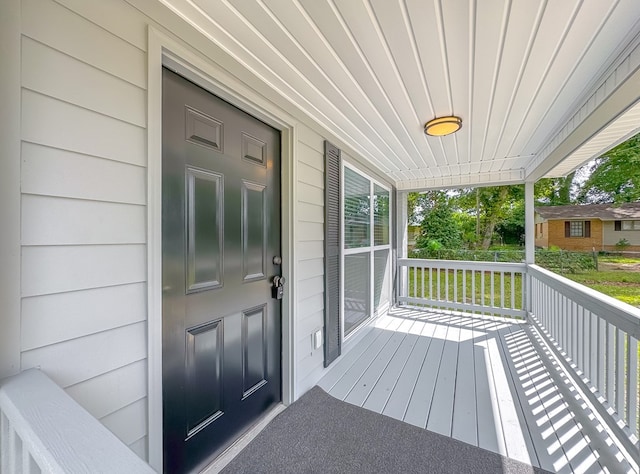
point(439, 224)
point(615, 176)
point(490, 206)
point(555, 191)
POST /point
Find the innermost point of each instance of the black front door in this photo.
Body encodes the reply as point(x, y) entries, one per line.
point(220, 234)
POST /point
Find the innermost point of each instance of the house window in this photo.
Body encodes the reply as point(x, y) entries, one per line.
point(577, 229)
point(366, 248)
point(630, 225)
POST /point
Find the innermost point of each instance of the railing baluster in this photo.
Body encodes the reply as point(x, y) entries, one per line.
point(602, 353)
point(573, 327)
point(446, 284)
point(430, 283)
point(464, 285)
point(513, 290)
point(473, 287)
point(482, 288)
point(493, 289)
point(438, 282)
point(5, 429)
point(415, 281)
point(633, 419)
point(502, 290)
point(455, 285)
point(580, 338)
point(610, 367)
point(15, 451)
point(421, 282)
point(621, 342)
point(592, 353)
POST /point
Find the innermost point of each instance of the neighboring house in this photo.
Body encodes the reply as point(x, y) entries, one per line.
point(588, 227)
point(162, 162)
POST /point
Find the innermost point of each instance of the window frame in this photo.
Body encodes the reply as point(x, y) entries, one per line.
point(633, 225)
point(370, 249)
point(573, 224)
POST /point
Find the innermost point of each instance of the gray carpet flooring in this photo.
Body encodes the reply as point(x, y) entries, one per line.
point(321, 434)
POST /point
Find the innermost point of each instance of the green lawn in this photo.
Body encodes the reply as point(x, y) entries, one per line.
point(623, 285)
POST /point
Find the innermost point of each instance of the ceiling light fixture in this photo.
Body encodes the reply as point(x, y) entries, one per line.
point(441, 126)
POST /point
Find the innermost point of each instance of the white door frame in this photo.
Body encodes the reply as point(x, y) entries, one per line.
point(165, 51)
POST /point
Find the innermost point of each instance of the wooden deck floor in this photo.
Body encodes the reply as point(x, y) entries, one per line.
point(483, 380)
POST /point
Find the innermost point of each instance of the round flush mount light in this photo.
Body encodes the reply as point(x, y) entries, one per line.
point(441, 126)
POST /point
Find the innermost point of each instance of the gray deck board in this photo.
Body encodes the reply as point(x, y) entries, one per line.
point(479, 379)
point(398, 401)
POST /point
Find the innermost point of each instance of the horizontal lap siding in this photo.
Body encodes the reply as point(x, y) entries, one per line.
point(309, 221)
point(83, 170)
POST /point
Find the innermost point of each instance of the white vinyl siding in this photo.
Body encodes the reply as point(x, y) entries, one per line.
point(83, 208)
point(309, 223)
point(84, 205)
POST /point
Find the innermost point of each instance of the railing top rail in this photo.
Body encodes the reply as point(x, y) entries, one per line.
point(463, 264)
point(59, 434)
point(620, 314)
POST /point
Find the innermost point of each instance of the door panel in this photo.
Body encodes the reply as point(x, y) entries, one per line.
point(220, 232)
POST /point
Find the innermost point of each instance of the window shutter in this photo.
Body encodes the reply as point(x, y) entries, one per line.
point(617, 225)
point(587, 228)
point(332, 224)
point(567, 229)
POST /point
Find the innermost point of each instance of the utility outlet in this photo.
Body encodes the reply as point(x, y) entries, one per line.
point(317, 339)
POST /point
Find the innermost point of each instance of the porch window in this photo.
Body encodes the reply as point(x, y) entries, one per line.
point(366, 248)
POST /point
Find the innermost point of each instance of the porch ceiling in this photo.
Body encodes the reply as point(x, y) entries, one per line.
point(372, 72)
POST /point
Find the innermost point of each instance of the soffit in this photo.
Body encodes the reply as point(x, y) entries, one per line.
point(372, 72)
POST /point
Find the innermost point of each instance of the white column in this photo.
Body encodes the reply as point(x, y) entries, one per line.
point(402, 239)
point(529, 223)
point(529, 239)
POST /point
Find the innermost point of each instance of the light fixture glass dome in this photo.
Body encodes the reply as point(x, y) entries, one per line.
point(441, 126)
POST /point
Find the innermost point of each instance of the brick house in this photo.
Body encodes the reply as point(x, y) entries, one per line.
point(588, 227)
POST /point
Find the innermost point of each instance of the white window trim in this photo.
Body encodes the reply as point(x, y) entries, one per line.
point(371, 248)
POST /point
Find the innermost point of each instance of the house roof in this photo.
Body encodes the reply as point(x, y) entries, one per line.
point(530, 80)
point(605, 212)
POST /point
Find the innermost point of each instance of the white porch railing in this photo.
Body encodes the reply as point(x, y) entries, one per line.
point(596, 337)
point(43, 430)
point(478, 287)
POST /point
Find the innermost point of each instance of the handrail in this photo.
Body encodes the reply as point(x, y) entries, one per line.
point(616, 312)
point(42, 429)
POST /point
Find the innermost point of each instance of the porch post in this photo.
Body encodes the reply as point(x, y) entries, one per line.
point(402, 239)
point(530, 238)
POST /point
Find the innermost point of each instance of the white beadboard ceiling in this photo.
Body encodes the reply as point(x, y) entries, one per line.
point(374, 71)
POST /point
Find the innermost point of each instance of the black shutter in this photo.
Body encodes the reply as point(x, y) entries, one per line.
point(567, 229)
point(617, 225)
point(332, 323)
point(587, 228)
